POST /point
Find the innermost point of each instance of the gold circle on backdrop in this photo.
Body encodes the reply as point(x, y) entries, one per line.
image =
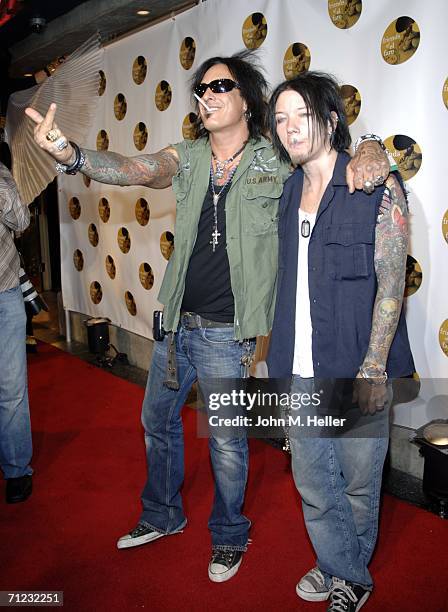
point(187, 52)
point(352, 102)
point(130, 303)
point(142, 212)
point(406, 153)
point(78, 260)
point(124, 240)
point(297, 59)
point(110, 267)
point(146, 275)
point(93, 235)
point(102, 141)
point(189, 127)
point(445, 226)
point(445, 93)
point(344, 13)
point(96, 293)
point(87, 180)
point(163, 95)
point(104, 210)
point(140, 136)
point(120, 106)
point(255, 30)
point(139, 69)
point(74, 207)
point(414, 276)
point(167, 244)
point(102, 83)
point(443, 337)
point(400, 40)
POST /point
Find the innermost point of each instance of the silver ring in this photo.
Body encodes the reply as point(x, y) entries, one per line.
point(61, 143)
point(379, 180)
point(368, 186)
point(52, 135)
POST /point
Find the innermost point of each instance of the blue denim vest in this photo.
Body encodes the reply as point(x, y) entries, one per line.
point(342, 282)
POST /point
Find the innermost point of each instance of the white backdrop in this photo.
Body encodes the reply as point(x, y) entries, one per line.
point(405, 95)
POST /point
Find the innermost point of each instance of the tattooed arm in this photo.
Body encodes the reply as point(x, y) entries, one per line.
point(368, 163)
point(154, 170)
point(391, 242)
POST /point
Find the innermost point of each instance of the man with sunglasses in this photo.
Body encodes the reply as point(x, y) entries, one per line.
point(219, 285)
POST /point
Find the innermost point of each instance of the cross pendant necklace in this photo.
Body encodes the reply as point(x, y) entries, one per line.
point(215, 233)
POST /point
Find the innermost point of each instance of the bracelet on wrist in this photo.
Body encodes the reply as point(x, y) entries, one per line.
point(368, 137)
point(373, 380)
point(76, 165)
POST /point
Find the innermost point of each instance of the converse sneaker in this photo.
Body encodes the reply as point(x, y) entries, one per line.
point(346, 596)
point(312, 586)
point(142, 534)
point(224, 564)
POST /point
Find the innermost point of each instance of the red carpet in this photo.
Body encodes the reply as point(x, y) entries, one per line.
point(89, 469)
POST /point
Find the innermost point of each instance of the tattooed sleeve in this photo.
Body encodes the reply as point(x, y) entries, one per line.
point(391, 243)
point(154, 170)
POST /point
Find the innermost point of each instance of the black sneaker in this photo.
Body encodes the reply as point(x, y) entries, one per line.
point(346, 596)
point(224, 564)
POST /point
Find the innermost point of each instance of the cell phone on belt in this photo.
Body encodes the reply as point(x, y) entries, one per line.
point(158, 332)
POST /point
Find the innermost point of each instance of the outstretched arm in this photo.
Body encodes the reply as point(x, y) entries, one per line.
point(391, 243)
point(154, 170)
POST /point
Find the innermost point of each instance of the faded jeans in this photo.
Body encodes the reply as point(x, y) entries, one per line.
point(15, 427)
point(201, 354)
point(339, 480)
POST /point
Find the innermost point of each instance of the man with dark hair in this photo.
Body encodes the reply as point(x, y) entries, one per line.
point(219, 285)
point(338, 327)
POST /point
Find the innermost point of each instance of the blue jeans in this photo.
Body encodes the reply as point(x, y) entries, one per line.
point(201, 354)
point(339, 480)
point(15, 427)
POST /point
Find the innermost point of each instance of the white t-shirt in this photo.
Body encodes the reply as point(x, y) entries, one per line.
point(303, 356)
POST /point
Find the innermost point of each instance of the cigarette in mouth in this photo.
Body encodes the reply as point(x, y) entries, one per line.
point(201, 101)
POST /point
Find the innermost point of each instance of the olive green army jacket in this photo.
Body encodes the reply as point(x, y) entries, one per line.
point(251, 227)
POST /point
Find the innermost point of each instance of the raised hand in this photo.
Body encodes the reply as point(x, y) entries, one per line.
point(49, 137)
point(369, 167)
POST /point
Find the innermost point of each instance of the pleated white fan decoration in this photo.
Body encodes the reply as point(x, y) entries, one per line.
point(74, 88)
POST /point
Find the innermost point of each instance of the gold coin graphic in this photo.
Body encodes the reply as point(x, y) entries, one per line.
point(400, 40)
point(139, 69)
point(96, 293)
point(146, 275)
point(344, 13)
point(255, 30)
point(75, 208)
point(78, 260)
point(187, 52)
point(406, 153)
point(297, 59)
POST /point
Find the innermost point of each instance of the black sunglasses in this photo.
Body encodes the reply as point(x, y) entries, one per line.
point(217, 86)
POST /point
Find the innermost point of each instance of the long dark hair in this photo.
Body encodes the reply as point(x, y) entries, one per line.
point(253, 88)
point(321, 94)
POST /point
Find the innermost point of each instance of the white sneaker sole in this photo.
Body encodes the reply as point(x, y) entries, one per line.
point(225, 575)
point(307, 596)
point(128, 542)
